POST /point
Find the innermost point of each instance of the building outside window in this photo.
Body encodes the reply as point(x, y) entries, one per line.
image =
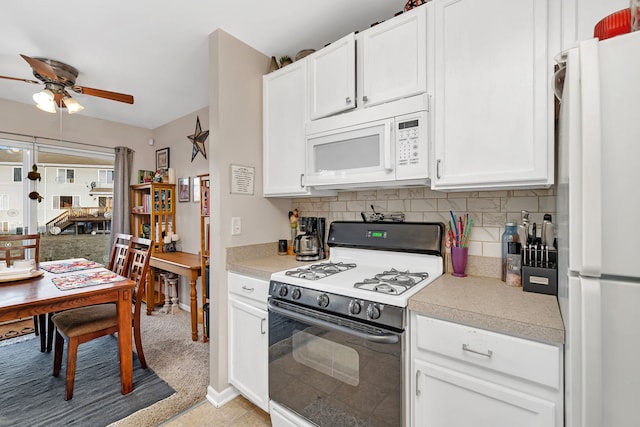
point(17, 174)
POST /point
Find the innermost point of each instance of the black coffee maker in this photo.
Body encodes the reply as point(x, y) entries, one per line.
point(309, 245)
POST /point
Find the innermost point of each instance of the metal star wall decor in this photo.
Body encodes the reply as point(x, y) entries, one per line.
point(197, 139)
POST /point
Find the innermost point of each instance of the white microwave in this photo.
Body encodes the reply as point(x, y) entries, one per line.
point(387, 152)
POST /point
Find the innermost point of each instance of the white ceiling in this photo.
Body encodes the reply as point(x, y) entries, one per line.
point(157, 50)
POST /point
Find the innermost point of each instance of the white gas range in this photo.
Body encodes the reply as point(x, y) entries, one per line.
point(341, 323)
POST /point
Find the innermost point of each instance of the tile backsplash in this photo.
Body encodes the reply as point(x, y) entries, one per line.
point(490, 210)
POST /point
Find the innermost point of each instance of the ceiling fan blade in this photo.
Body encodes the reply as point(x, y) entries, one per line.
point(114, 96)
point(21, 80)
point(41, 68)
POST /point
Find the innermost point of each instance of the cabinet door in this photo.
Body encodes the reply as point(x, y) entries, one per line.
point(332, 78)
point(249, 352)
point(443, 397)
point(493, 94)
point(284, 114)
point(392, 59)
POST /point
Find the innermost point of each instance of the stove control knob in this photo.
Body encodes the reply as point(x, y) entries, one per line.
point(323, 300)
point(283, 291)
point(296, 293)
point(354, 307)
point(373, 312)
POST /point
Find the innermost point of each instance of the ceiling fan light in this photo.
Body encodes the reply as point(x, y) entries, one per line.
point(72, 105)
point(45, 96)
point(49, 108)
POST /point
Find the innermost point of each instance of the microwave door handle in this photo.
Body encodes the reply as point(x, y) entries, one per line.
point(387, 147)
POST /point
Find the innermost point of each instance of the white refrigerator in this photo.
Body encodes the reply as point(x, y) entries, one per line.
point(598, 219)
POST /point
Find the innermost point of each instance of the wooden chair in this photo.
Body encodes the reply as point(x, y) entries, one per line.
point(25, 246)
point(118, 256)
point(80, 325)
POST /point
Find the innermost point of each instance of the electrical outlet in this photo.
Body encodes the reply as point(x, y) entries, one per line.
point(236, 225)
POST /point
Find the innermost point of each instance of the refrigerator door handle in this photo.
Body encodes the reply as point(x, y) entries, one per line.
point(591, 324)
point(591, 159)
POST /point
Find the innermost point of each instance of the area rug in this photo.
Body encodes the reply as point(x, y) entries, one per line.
point(31, 396)
point(17, 328)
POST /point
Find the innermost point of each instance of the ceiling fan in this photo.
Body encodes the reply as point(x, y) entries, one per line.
point(57, 78)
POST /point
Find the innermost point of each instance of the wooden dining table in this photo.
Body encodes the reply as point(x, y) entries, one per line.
point(39, 295)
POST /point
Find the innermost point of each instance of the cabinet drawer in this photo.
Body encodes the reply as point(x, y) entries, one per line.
point(521, 358)
point(249, 287)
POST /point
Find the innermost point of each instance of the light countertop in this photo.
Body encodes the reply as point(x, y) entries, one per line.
point(490, 304)
point(476, 301)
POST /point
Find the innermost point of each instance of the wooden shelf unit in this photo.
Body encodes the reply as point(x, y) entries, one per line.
point(205, 211)
point(153, 215)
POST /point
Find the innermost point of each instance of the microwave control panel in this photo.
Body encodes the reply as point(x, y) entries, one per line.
point(411, 147)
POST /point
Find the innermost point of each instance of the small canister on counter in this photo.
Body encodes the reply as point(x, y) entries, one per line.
point(282, 247)
point(514, 265)
point(510, 235)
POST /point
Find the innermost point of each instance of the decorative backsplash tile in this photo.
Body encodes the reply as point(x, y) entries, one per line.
point(490, 210)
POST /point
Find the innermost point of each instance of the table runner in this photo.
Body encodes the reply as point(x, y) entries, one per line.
point(69, 266)
point(81, 280)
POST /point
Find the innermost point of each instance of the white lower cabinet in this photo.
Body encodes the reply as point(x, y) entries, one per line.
point(463, 376)
point(249, 338)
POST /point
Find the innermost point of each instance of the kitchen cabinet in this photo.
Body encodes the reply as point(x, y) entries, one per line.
point(284, 118)
point(390, 64)
point(494, 105)
point(249, 338)
point(498, 380)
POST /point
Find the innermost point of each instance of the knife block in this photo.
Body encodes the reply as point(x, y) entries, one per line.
point(540, 280)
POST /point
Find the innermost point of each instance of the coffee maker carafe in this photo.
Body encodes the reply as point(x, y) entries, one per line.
point(309, 245)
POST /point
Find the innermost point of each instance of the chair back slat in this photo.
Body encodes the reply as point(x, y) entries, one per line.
point(138, 257)
point(118, 256)
point(19, 246)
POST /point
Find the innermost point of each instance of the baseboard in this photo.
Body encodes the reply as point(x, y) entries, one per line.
point(185, 307)
point(219, 399)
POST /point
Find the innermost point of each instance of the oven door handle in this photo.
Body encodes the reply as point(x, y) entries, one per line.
point(381, 339)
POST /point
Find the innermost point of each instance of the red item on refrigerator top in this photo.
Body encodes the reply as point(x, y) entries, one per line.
point(613, 25)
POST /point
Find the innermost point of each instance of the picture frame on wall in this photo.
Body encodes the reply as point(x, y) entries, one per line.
point(162, 159)
point(184, 189)
point(196, 189)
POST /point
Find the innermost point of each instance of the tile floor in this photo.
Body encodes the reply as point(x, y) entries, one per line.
point(237, 413)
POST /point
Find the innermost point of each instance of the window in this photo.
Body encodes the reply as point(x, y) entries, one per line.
point(4, 202)
point(64, 202)
point(65, 176)
point(4, 226)
point(17, 174)
point(105, 177)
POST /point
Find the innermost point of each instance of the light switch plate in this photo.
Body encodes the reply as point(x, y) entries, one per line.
point(236, 226)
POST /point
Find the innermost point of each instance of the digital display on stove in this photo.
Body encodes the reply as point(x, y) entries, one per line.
point(377, 234)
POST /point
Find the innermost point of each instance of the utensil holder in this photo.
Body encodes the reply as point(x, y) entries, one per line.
point(459, 261)
point(540, 280)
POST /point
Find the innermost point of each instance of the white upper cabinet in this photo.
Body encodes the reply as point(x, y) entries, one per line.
point(494, 105)
point(284, 116)
point(391, 64)
point(332, 78)
point(393, 58)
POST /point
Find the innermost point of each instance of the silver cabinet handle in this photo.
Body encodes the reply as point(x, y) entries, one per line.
point(438, 168)
point(247, 289)
point(301, 178)
point(466, 347)
point(262, 330)
point(365, 98)
point(418, 373)
point(348, 100)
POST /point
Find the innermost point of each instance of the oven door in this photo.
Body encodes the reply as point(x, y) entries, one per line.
point(333, 371)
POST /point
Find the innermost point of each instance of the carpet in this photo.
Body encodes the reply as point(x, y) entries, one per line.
point(33, 397)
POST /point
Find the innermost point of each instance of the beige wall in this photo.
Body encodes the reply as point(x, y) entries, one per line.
point(19, 118)
point(235, 119)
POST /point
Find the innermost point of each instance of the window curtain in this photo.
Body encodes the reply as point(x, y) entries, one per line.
point(120, 220)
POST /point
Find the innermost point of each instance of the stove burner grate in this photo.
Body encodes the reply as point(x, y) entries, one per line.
point(321, 270)
point(392, 281)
